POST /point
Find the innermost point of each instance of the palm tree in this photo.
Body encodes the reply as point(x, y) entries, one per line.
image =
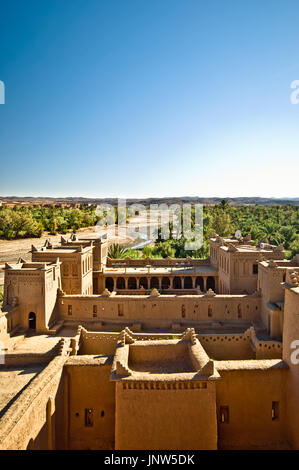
point(269, 233)
point(288, 234)
point(223, 204)
point(116, 251)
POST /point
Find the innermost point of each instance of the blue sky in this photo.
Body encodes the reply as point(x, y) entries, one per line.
point(140, 98)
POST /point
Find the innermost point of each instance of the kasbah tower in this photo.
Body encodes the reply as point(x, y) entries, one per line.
point(99, 353)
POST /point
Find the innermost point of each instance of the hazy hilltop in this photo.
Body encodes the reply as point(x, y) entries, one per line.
point(147, 201)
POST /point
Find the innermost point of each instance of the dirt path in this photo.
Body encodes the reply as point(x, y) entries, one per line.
point(12, 250)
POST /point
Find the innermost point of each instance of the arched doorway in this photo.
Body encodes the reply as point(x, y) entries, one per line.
point(154, 283)
point(211, 283)
point(165, 282)
point(143, 282)
point(120, 283)
point(199, 282)
point(109, 284)
point(132, 284)
point(177, 284)
point(32, 321)
point(187, 282)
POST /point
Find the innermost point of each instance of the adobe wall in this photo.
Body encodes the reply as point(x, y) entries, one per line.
point(249, 390)
point(34, 420)
point(227, 346)
point(270, 281)
point(52, 283)
point(158, 353)
point(28, 288)
point(158, 262)
point(159, 312)
point(76, 268)
point(90, 389)
point(165, 419)
point(9, 319)
point(3, 326)
point(291, 335)
point(34, 291)
point(98, 343)
point(221, 346)
point(238, 275)
point(240, 346)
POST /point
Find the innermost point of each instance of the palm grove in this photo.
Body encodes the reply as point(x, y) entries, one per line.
point(273, 224)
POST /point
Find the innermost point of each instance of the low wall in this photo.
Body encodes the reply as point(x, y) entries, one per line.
point(135, 262)
point(27, 358)
point(98, 343)
point(218, 346)
point(236, 346)
point(161, 311)
point(228, 346)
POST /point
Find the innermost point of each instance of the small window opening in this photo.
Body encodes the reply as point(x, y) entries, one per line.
point(239, 311)
point(89, 417)
point(224, 414)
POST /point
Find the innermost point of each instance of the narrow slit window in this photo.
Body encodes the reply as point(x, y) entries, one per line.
point(224, 414)
point(239, 311)
point(88, 417)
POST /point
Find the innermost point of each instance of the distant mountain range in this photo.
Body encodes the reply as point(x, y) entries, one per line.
point(147, 201)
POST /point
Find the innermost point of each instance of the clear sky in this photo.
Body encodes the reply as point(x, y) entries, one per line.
point(140, 98)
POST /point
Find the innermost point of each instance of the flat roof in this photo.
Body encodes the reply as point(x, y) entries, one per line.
point(250, 249)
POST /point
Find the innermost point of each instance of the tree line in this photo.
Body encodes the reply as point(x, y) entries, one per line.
point(29, 221)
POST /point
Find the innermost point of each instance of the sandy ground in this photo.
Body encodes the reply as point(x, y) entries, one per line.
point(12, 250)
